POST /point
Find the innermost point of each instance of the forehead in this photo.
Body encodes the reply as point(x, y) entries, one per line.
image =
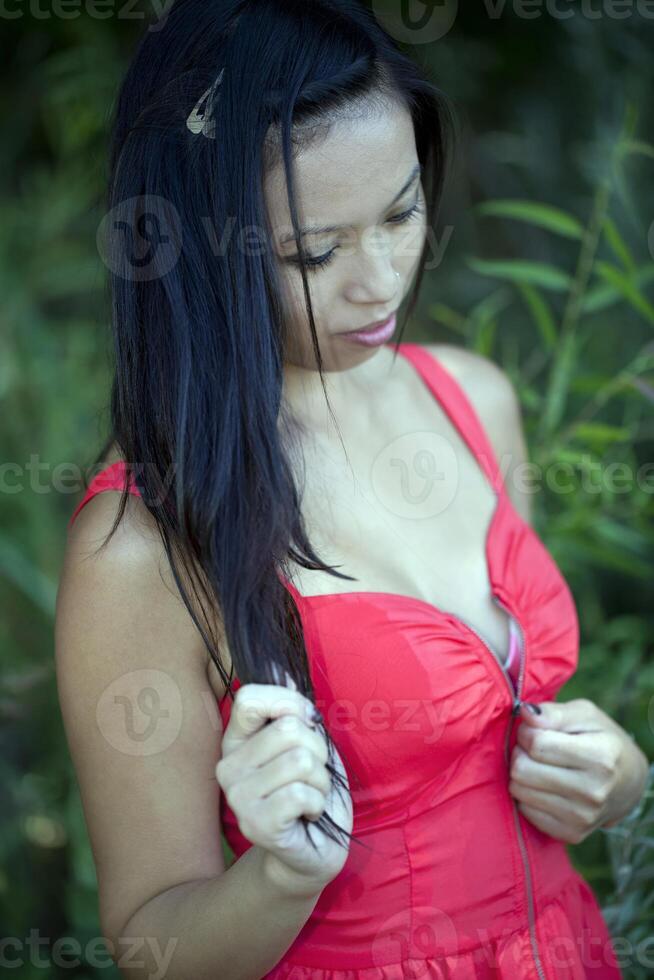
point(351, 173)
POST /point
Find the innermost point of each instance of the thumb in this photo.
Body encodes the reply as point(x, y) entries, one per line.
point(543, 714)
point(575, 716)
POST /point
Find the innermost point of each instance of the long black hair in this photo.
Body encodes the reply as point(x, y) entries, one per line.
point(199, 332)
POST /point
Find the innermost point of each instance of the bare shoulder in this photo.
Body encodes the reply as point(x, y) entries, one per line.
point(133, 563)
point(484, 382)
point(133, 554)
point(496, 402)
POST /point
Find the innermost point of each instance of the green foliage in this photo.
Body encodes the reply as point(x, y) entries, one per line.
point(551, 275)
point(587, 410)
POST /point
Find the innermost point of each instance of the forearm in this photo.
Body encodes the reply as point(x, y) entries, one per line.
point(236, 926)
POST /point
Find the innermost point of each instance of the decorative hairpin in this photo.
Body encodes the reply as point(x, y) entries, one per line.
point(205, 123)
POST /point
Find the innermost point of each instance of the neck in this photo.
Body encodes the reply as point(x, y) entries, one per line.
point(357, 390)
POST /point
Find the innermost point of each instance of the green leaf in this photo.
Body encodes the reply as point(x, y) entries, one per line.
point(565, 455)
point(523, 270)
point(541, 314)
point(595, 432)
point(596, 553)
point(589, 384)
point(530, 398)
point(487, 308)
point(623, 536)
point(627, 288)
point(16, 568)
point(602, 296)
point(619, 246)
point(643, 387)
point(636, 146)
point(559, 383)
point(484, 338)
point(541, 215)
point(448, 317)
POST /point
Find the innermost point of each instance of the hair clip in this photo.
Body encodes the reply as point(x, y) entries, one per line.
point(205, 123)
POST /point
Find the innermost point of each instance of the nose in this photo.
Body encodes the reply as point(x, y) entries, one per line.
point(377, 282)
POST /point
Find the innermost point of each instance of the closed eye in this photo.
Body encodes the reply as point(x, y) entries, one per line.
point(324, 260)
point(407, 215)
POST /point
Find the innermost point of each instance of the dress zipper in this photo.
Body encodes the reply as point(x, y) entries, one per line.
point(523, 850)
point(517, 701)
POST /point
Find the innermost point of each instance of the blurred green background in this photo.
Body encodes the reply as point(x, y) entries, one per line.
point(546, 265)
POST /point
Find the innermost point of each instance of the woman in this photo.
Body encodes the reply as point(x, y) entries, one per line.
point(417, 825)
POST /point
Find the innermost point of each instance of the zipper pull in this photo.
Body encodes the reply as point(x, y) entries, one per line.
point(516, 707)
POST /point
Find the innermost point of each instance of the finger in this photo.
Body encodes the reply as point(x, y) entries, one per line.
point(255, 704)
point(281, 735)
point(551, 779)
point(568, 812)
point(560, 748)
point(576, 716)
point(290, 802)
point(296, 765)
point(549, 824)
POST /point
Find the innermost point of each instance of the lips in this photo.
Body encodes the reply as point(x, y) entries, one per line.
point(371, 326)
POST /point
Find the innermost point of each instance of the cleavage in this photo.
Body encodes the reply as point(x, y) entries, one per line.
point(390, 553)
point(406, 510)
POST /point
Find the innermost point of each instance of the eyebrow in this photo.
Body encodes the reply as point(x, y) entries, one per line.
point(416, 172)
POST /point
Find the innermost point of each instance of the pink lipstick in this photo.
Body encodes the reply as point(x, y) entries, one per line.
point(373, 336)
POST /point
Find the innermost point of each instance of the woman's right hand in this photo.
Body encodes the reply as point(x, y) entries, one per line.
point(271, 774)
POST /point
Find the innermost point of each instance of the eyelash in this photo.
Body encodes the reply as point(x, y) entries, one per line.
point(400, 219)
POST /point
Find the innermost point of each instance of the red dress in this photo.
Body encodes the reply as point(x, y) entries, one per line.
point(457, 883)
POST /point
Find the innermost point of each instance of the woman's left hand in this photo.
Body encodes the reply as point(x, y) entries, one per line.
point(574, 769)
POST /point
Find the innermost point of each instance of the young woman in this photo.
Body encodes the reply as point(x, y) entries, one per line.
point(320, 516)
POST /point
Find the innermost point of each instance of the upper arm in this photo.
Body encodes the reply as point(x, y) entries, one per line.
point(496, 402)
point(142, 724)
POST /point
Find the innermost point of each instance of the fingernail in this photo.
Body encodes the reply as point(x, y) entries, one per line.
point(535, 710)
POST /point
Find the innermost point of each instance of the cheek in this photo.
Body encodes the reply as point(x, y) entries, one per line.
point(321, 289)
point(295, 308)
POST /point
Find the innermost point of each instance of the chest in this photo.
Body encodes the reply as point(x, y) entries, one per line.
point(404, 507)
